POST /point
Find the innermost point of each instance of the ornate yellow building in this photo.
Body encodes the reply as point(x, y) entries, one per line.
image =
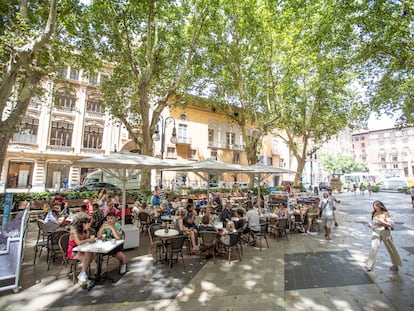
point(68, 123)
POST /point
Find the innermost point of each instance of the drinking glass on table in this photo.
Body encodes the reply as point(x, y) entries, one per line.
point(103, 236)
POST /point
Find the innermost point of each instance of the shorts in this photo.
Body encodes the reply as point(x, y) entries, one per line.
point(119, 248)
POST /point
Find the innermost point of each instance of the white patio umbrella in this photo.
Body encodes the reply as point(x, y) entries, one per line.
point(209, 166)
point(123, 166)
point(266, 170)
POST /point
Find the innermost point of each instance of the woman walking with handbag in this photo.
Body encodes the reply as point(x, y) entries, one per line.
point(381, 224)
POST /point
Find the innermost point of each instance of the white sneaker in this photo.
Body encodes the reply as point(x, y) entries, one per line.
point(83, 279)
point(123, 269)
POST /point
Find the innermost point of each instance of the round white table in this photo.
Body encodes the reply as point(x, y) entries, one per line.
point(162, 234)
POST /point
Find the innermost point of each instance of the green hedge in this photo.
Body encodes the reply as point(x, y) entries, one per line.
point(375, 188)
point(141, 195)
point(70, 195)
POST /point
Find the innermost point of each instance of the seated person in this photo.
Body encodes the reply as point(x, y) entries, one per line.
point(58, 199)
point(205, 224)
point(211, 216)
point(113, 230)
point(190, 232)
point(82, 213)
point(89, 208)
point(298, 218)
point(227, 213)
point(65, 211)
point(136, 208)
point(110, 208)
point(163, 210)
point(52, 215)
point(128, 212)
point(225, 237)
point(312, 214)
point(241, 222)
point(253, 225)
point(282, 213)
point(189, 219)
point(79, 234)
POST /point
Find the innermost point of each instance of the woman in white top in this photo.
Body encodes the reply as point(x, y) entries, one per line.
point(381, 224)
point(326, 207)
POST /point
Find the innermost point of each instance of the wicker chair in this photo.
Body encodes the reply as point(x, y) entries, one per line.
point(208, 242)
point(262, 235)
point(175, 247)
point(145, 221)
point(155, 242)
point(44, 229)
point(233, 245)
point(63, 247)
point(280, 228)
point(53, 249)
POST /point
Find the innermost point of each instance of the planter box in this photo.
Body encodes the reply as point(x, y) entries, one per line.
point(11, 258)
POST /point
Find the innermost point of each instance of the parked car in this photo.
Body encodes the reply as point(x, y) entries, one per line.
point(97, 186)
point(324, 185)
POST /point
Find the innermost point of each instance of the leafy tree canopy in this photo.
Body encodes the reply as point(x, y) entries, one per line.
point(340, 164)
point(385, 49)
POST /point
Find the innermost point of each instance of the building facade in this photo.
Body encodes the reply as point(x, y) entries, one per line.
point(387, 152)
point(68, 123)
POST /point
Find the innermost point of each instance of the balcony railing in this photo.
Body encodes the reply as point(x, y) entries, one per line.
point(24, 138)
point(184, 140)
point(69, 110)
point(95, 114)
point(66, 149)
point(92, 151)
point(220, 145)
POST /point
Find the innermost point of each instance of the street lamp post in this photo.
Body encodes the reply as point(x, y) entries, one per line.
point(312, 156)
point(156, 136)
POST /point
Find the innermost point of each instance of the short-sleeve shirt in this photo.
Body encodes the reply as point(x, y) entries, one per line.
point(253, 219)
point(108, 232)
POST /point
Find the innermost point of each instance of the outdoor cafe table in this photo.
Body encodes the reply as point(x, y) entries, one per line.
point(165, 235)
point(101, 248)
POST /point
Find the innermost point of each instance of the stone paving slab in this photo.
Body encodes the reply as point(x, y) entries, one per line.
point(258, 282)
point(323, 269)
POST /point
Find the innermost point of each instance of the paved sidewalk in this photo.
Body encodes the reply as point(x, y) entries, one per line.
point(304, 273)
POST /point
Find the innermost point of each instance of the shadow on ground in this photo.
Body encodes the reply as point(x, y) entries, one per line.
point(149, 282)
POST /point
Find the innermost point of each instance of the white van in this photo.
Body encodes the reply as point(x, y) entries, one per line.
point(100, 176)
point(393, 183)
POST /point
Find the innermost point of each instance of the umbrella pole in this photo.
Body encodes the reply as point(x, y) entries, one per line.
point(124, 181)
